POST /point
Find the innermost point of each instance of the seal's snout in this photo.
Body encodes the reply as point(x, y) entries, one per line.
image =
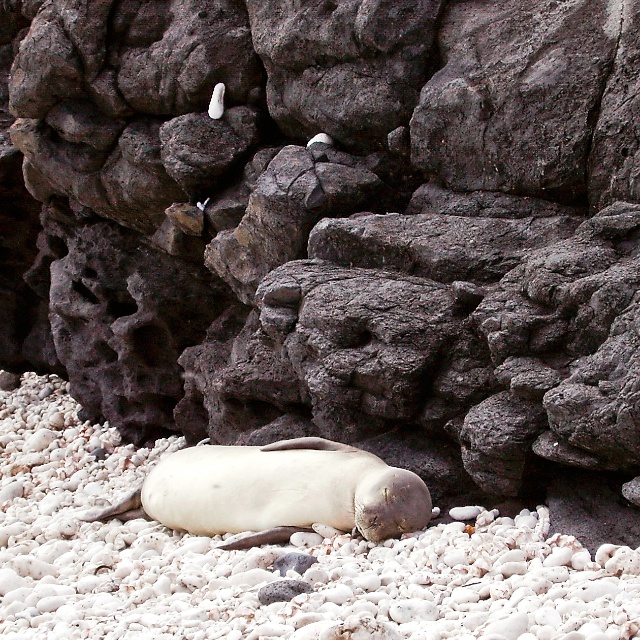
point(393, 503)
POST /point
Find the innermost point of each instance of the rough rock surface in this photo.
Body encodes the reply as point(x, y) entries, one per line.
point(299, 187)
point(352, 69)
point(506, 111)
point(118, 329)
point(453, 284)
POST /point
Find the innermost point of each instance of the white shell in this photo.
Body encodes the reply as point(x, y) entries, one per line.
point(322, 138)
point(216, 106)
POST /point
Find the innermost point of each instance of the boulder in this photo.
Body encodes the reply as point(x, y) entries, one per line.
point(513, 107)
point(441, 247)
point(351, 69)
point(198, 151)
point(119, 329)
point(173, 54)
point(298, 188)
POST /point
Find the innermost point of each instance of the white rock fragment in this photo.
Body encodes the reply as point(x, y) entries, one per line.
point(322, 138)
point(28, 566)
point(202, 206)
point(325, 530)
point(465, 513)
point(338, 595)
point(413, 609)
point(216, 105)
point(510, 627)
point(14, 489)
point(40, 440)
point(10, 581)
point(305, 540)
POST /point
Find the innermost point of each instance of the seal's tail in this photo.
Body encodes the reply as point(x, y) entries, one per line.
point(127, 509)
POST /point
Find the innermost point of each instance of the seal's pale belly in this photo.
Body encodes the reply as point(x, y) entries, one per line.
point(213, 489)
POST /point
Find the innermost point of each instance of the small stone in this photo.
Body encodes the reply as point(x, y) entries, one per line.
point(186, 217)
point(13, 490)
point(99, 453)
point(339, 594)
point(413, 609)
point(560, 556)
point(325, 530)
point(40, 440)
point(298, 562)
point(465, 513)
point(252, 578)
point(321, 138)
point(56, 420)
point(9, 381)
point(631, 491)
point(10, 580)
point(510, 627)
point(282, 591)
point(306, 540)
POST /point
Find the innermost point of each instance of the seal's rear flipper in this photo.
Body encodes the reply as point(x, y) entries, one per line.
point(308, 443)
point(277, 535)
point(128, 509)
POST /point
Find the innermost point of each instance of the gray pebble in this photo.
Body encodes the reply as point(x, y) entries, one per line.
point(99, 453)
point(298, 562)
point(9, 381)
point(282, 591)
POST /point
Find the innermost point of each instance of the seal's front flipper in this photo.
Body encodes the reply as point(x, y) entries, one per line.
point(308, 443)
point(277, 535)
point(128, 509)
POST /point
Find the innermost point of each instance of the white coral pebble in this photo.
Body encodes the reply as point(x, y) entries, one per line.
point(216, 105)
point(322, 138)
point(465, 513)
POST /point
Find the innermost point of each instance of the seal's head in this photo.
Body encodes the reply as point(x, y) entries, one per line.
point(390, 503)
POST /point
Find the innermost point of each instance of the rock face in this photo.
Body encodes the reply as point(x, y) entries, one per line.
point(450, 280)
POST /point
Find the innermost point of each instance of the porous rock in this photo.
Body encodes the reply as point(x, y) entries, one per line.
point(282, 591)
point(118, 328)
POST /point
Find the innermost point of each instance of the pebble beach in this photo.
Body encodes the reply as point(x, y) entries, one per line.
point(61, 578)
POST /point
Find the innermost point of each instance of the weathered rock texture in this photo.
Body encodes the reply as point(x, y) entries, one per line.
point(453, 284)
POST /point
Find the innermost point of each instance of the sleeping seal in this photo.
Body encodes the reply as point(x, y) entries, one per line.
point(213, 489)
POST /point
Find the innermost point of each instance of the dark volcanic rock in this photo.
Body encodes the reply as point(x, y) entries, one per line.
point(513, 107)
point(174, 53)
point(119, 329)
point(351, 69)
point(298, 188)
point(197, 150)
point(614, 161)
point(365, 343)
point(597, 409)
point(282, 591)
point(496, 437)
point(437, 246)
point(564, 297)
point(431, 198)
point(127, 184)
point(298, 562)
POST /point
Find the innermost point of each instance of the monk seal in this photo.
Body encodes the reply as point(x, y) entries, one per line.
point(212, 489)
